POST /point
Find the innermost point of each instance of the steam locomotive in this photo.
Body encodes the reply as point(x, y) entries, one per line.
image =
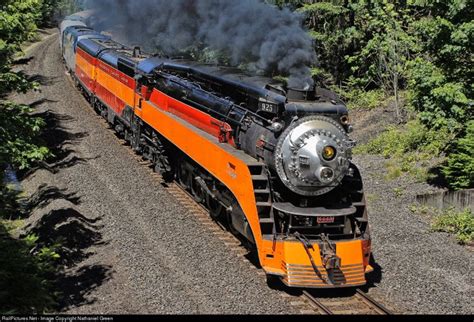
point(272, 162)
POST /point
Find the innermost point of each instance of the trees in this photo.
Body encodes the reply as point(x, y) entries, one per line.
point(423, 49)
point(19, 19)
point(459, 168)
point(441, 79)
point(18, 129)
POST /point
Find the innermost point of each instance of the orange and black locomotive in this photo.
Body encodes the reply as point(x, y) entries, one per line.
point(271, 161)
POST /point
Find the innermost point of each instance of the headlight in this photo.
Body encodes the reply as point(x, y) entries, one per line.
point(326, 175)
point(329, 153)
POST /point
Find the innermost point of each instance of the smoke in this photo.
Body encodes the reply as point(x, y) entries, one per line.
point(247, 31)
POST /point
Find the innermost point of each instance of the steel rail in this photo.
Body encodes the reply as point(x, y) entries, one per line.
point(372, 303)
point(317, 303)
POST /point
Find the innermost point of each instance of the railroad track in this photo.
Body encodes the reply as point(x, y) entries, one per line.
point(358, 303)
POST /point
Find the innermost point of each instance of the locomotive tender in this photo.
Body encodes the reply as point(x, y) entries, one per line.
point(272, 162)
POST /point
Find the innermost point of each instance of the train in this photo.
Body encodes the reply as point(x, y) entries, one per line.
point(271, 162)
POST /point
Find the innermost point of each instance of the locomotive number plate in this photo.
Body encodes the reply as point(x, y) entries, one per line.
point(325, 220)
point(268, 107)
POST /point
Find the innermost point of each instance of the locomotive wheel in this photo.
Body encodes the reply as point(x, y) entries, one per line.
point(168, 176)
point(184, 177)
point(197, 191)
point(135, 143)
point(230, 225)
point(128, 137)
point(215, 207)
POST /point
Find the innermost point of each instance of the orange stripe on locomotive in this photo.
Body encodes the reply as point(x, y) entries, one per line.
point(85, 69)
point(114, 88)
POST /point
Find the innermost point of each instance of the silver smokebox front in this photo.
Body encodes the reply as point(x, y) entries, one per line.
point(313, 155)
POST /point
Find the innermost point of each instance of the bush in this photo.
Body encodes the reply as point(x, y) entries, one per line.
point(412, 137)
point(459, 168)
point(440, 103)
point(459, 223)
point(411, 149)
point(25, 274)
point(358, 98)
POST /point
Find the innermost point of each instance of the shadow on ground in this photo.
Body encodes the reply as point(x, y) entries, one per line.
point(33, 278)
point(76, 287)
point(46, 194)
point(60, 142)
point(71, 231)
point(72, 235)
point(44, 80)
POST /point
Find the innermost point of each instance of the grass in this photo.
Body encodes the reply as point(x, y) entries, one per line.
point(410, 149)
point(452, 221)
point(398, 192)
point(371, 197)
point(459, 223)
point(360, 99)
point(421, 209)
point(12, 226)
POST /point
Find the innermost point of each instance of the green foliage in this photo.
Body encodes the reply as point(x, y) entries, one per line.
point(357, 98)
point(18, 129)
point(421, 209)
point(360, 43)
point(398, 192)
point(209, 56)
point(459, 168)
point(17, 24)
point(55, 9)
point(459, 223)
point(440, 103)
point(409, 147)
point(18, 134)
point(441, 84)
point(25, 273)
point(414, 136)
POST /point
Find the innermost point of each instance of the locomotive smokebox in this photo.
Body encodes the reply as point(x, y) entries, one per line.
point(299, 94)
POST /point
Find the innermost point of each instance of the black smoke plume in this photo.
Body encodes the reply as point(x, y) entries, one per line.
point(247, 31)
